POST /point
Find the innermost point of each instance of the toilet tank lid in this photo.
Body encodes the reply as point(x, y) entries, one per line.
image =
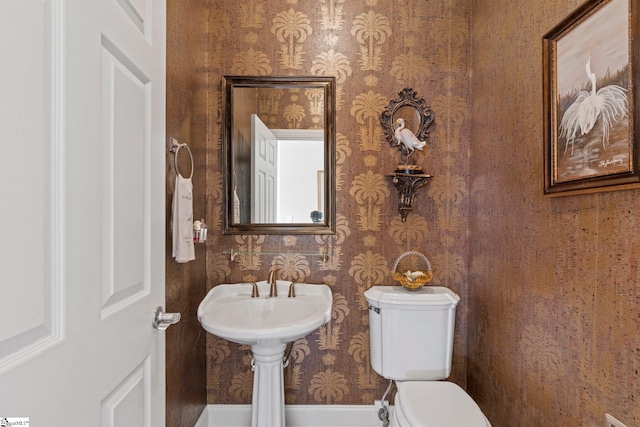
point(391, 296)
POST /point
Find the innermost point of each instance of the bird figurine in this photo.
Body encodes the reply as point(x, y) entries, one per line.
point(413, 275)
point(407, 137)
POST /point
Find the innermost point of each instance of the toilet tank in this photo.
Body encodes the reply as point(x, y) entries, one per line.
point(411, 332)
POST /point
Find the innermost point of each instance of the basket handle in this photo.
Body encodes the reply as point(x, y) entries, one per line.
point(421, 255)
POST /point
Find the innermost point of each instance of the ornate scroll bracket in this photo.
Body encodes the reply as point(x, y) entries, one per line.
point(405, 122)
point(407, 185)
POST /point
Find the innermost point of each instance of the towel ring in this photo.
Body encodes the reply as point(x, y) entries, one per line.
point(176, 147)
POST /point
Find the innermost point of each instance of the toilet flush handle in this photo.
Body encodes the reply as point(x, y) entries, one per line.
point(162, 320)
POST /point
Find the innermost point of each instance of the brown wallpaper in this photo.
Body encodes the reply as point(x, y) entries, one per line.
point(553, 301)
point(185, 283)
point(374, 48)
point(554, 288)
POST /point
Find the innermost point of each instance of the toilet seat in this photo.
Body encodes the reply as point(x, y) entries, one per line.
point(436, 404)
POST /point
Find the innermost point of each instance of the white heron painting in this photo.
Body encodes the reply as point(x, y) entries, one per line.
point(608, 104)
point(593, 137)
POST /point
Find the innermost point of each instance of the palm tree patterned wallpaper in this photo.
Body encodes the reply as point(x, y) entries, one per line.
point(374, 48)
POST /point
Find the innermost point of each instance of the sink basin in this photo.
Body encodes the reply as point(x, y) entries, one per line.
point(230, 312)
point(267, 324)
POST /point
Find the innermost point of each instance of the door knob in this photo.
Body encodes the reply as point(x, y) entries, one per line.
point(162, 320)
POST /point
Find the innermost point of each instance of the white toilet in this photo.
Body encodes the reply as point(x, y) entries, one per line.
point(411, 335)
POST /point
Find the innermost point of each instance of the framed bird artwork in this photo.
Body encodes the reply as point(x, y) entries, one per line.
point(405, 123)
point(590, 68)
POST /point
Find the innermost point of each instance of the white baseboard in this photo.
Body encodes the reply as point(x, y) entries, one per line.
point(295, 415)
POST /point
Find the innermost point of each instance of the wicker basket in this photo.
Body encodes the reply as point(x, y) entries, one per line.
point(406, 281)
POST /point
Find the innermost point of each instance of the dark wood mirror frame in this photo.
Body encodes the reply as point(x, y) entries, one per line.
point(328, 85)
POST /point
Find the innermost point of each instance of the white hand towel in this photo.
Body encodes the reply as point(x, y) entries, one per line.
point(183, 249)
point(236, 207)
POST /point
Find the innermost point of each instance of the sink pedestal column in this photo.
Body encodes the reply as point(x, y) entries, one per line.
point(267, 403)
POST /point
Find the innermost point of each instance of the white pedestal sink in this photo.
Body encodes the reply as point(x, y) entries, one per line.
point(267, 324)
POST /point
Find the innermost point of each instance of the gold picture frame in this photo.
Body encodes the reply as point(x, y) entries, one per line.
point(590, 63)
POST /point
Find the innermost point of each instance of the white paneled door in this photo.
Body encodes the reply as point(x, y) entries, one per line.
point(264, 173)
point(82, 120)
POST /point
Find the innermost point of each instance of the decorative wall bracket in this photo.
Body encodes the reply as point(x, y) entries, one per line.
point(405, 122)
point(407, 185)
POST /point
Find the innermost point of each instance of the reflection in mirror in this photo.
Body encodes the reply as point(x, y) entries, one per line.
point(279, 148)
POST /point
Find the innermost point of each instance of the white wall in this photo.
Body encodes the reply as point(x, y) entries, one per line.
point(298, 166)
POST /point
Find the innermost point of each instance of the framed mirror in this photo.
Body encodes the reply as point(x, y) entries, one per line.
point(279, 155)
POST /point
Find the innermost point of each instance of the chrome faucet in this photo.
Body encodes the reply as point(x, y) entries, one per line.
point(273, 291)
point(254, 291)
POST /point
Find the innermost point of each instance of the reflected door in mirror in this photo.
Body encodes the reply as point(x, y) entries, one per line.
point(264, 172)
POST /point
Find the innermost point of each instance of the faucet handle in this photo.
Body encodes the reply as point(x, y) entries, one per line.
point(292, 290)
point(254, 291)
